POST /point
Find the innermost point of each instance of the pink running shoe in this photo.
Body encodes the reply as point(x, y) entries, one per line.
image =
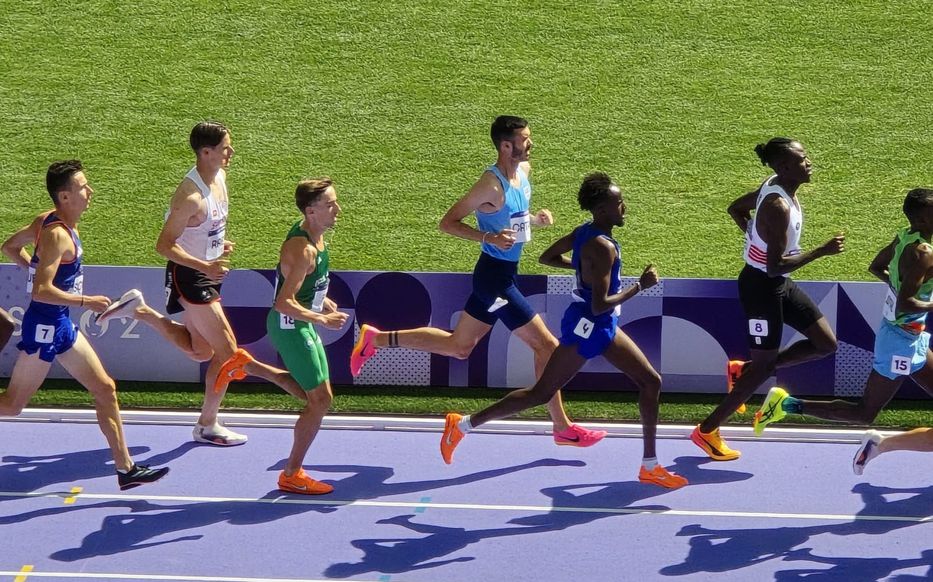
point(577, 436)
point(363, 350)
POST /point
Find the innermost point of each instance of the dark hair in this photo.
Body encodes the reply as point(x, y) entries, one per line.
point(504, 127)
point(308, 191)
point(596, 187)
point(917, 200)
point(775, 149)
point(58, 176)
point(207, 134)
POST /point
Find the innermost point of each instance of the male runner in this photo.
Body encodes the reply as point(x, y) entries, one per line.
point(56, 284)
point(769, 297)
point(874, 444)
point(902, 344)
point(589, 328)
point(301, 300)
point(500, 199)
point(193, 240)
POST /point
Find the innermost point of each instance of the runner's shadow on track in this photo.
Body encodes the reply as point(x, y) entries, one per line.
point(852, 569)
point(727, 550)
point(400, 555)
point(149, 520)
point(25, 474)
point(370, 482)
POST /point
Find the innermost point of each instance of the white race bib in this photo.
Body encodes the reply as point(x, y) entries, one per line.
point(78, 287)
point(215, 243)
point(900, 365)
point(758, 327)
point(30, 277)
point(286, 322)
point(320, 294)
point(44, 333)
point(890, 302)
point(520, 222)
point(584, 328)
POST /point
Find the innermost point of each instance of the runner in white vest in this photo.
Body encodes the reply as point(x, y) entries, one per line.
point(193, 240)
point(772, 220)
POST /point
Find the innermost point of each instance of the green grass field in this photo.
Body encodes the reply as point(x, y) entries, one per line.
point(394, 101)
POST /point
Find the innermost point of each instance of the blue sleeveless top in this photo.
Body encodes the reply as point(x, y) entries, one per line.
point(69, 277)
point(584, 234)
point(513, 214)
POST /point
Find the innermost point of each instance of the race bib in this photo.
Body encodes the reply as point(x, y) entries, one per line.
point(584, 328)
point(900, 365)
point(77, 288)
point(215, 242)
point(520, 222)
point(44, 334)
point(30, 277)
point(320, 294)
point(758, 327)
point(890, 303)
point(286, 322)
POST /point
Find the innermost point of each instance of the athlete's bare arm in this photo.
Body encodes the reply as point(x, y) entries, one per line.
point(555, 255)
point(879, 265)
point(15, 247)
point(57, 245)
point(916, 266)
point(742, 207)
point(296, 261)
point(596, 258)
point(486, 196)
point(771, 222)
point(186, 208)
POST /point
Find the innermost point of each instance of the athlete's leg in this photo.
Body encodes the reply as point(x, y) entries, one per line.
point(84, 366)
point(177, 334)
point(759, 369)
point(919, 439)
point(537, 336)
point(924, 376)
point(820, 342)
point(208, 324)
point(560, 369)
point(878, 392)
point(7, 325)
point(457, 344)
point(317, 403)
point(28, 374)
point(625, 355)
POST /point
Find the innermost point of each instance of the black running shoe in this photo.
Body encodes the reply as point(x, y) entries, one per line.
point(140, 475)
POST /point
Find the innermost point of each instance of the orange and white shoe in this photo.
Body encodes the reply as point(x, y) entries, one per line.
point(363, 350)
point(733, 371)
point(713, 445)
point(302, 483)
point(232, 369)
point(451, 437)
point(661, 477)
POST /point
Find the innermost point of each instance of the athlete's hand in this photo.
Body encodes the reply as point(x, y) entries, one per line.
point(228, 248)
point(504, 240)
point(96, 303)
point(543, 217)
point(834, 246)
point(334, 320)
point(649, 278)
point(217, 270)
point(329, 306)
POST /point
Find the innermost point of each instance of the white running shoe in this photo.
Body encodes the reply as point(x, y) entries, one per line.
point(125, 306)
point(217, 435)
point(867, 450)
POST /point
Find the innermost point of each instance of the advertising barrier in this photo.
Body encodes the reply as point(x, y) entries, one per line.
point(688, 328)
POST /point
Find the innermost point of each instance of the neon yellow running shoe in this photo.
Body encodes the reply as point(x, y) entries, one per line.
point(771, 410)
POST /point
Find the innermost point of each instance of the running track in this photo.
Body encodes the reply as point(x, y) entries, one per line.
point(512, 507)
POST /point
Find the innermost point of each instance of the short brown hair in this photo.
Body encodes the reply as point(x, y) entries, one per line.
point(308, 191)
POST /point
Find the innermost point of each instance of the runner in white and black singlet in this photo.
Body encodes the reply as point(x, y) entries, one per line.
point(772, 220)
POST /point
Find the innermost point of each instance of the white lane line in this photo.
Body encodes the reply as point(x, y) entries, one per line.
point(482, 507)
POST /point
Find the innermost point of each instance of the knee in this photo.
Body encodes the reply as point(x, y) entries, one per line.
point(650, 384)
point(201, 354)
point(320, 398)
point(462, 349)
point(866, 415)
point(105, 389)
point(826, 346)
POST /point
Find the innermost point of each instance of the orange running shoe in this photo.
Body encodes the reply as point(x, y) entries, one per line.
point(451, 437)
point(302, 483)
point(232, 369)
point(733, 371)
point(661, 477)
point(713, 445)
